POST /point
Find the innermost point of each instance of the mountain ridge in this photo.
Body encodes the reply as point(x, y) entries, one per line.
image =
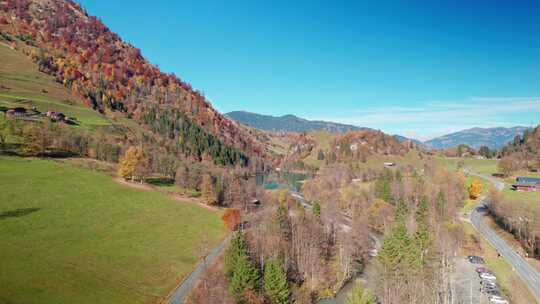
point(494, 138)
point(288, 123)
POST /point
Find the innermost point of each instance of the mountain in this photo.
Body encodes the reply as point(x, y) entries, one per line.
point(401, 138)
point(288, 123)
point(112, 78)
point(494, 138)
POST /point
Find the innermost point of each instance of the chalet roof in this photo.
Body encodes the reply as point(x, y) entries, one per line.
point(524, 185)
point(527, 180)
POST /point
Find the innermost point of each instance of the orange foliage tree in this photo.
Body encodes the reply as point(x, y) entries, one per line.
point(231, 218)
point(132, 164)
point(475, 189)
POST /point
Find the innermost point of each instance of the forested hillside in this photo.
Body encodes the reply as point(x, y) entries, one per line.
point(112, 77)
point(288, 123)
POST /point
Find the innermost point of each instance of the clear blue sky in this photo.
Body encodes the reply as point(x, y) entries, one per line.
point(418, 68)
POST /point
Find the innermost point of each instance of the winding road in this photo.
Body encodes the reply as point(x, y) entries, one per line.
point(526, 272)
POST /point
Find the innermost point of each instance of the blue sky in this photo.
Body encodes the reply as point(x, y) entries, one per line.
point(417, 68)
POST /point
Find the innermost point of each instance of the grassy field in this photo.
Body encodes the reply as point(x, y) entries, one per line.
point(71, 235)
point(483, 166)
point(22, 84)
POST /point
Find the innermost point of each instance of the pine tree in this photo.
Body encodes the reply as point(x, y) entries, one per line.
point(441, 205)
point(317, 209)
point(420, 241)
point(383, 189)
point(359, 295)
point(245, 277)
point(276, 286)
point(395, 248)
point(401, 210)
point(236, 249)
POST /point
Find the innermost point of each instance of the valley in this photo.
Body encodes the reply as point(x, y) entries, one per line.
point(120, 182)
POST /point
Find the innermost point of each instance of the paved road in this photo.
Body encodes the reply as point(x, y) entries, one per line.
point(180, 293)
point(500, 185)
point(528, 273)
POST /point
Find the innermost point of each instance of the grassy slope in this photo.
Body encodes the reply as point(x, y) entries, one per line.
point(92, 240)
point(26, 83)
point(483, 166)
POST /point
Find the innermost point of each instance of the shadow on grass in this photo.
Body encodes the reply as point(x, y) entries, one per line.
point(161, 181)
point(17, 212)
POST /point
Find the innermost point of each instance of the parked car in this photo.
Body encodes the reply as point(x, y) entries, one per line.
point(488, 283)
point(488, 276)
point(481, 270)
point(475, 259)
point(497, 300)
point(493, 293)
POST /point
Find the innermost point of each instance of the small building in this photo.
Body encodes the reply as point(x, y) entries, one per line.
point(56, 116)
point(389, 164)
point(526, 184)
point(16, 112)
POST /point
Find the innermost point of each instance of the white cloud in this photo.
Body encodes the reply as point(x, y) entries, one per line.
point(440, 117)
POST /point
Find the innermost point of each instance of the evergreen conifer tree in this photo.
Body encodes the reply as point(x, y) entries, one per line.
point(359, 295)
point(276, 286)
point(317, 208)
point(245, 277)
point(236, 249)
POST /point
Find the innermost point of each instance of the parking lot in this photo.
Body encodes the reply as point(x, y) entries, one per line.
point(466, 284)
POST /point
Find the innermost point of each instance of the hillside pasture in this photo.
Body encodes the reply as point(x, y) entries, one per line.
point(482, 166)
point(23, 85)
point(71, 235)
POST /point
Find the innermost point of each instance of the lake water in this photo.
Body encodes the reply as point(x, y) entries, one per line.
point(281, 180)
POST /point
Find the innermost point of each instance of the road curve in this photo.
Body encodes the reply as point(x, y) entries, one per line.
point(180, 293)
point(526, 271)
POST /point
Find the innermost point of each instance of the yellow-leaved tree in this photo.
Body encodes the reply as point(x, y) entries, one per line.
point(132, 164)
point(475, 189)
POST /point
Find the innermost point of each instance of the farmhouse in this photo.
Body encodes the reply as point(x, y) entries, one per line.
point(526, 184)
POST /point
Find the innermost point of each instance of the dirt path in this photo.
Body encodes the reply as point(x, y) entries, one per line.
point(175, 196)
point(134, 185)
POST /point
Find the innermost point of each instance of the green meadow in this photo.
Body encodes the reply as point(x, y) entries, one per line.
point(23, 85)
point(70, 235)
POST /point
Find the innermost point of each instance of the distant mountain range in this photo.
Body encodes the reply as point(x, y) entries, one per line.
point(288, 123)
point(402, 138)
point(291, 123)
point(494, 138)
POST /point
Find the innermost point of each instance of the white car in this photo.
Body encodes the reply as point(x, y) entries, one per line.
point(488, 276)
point(497, 300)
